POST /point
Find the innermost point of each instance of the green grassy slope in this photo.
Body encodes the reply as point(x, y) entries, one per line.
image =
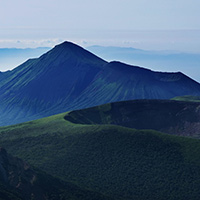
point(187, 98)
point(119, 162)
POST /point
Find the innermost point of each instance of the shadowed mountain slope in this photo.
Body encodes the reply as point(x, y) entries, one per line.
point(69, 78)
point(47, 84)
point(119, 82)
point(118, 162)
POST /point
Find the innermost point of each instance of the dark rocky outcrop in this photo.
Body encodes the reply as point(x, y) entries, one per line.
point(168, 116)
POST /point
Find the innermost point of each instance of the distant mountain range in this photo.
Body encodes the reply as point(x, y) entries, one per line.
point(168, 61)
point(12, 57)
point(69, 77)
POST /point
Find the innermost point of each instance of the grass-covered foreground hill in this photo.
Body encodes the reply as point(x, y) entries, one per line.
point(118, 162)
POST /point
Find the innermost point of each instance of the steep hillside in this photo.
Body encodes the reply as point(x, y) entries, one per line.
point(121, 163)
point(19, 181)
point(43, 86)
point(172, 117)
point(119, 82)
point(69, 78)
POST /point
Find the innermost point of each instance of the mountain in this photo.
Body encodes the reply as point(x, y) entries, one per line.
point(168, 116)
point(69, 78)
point(47, 84)
point(119, 162)
point(19, 181)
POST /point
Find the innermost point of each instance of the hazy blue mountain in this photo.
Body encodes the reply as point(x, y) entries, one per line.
point(45, 86)
point(12, 57)
point(69, 77)
point(169, 61)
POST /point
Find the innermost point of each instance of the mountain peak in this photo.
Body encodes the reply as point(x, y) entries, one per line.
point(67, 44)
point(68, 47)
point(71, 50)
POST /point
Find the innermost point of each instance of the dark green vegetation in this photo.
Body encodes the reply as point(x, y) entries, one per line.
point(69, 78)
point(172, 117)
point(7, 193)
point(119, 162)
point(18, 181)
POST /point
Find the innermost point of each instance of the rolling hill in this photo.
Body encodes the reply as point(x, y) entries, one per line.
point(119, 162)
point(69, 78)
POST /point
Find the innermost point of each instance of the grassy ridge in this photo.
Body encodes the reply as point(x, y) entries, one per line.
point(187, 98)
point(119, 162)
point(27, 142)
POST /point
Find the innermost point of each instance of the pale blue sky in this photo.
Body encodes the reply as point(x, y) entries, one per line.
point(155, 24)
